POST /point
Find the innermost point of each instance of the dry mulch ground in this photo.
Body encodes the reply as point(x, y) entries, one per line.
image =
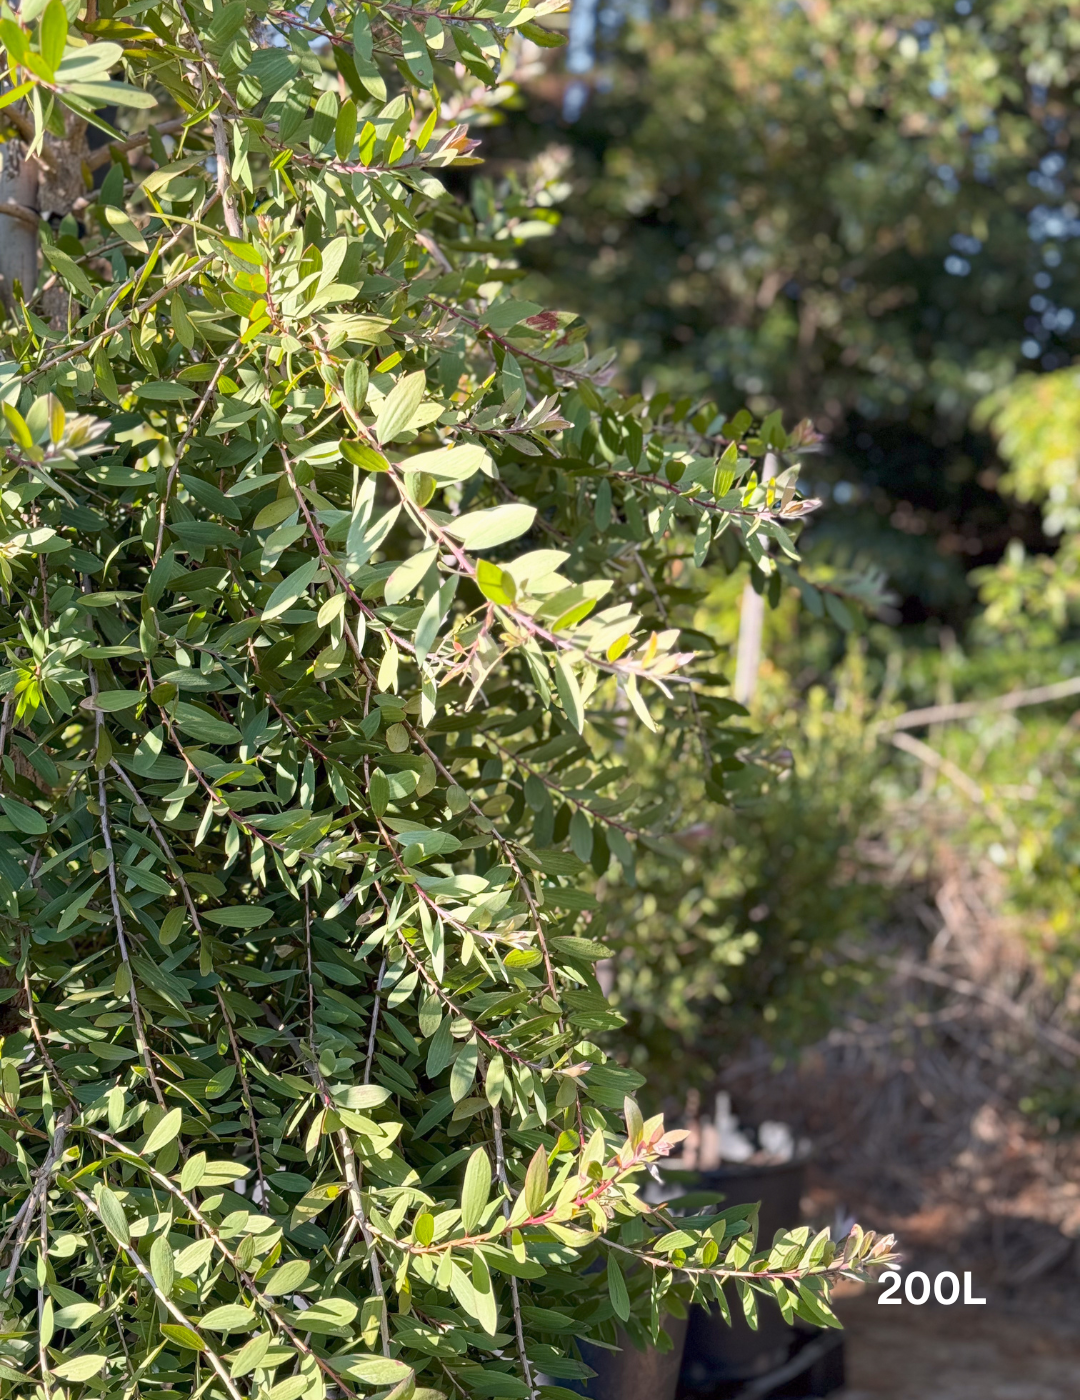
point(936, 1353)
point(1007, 1211)
point(913, 1111)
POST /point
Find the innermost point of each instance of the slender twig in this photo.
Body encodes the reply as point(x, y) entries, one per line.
point(211, 791)
point(9, 209)
point(356, 1201)
point(945, 766)
point(433, 983)
point(332, 563)
point(182, 445)
point(520, 761)
point(524, 621)
point(224, 175)
point(87, 346)
point(968, 709)
point(263, 1300)
point(39, 1040)
point(118, 917)
point(358, 1218)
point(43, 1355)
point(511, 859)
point(374, 1021)
point(193, 912)
point(661, 607)
point(515, 350)
point(133, 1258)
point(437, 989)
point(132, 1370)
point(38, 1193)
point(310, 974)
point(500, 1173)
point(96, 159)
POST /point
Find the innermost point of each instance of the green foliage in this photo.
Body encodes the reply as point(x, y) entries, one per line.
point(1032, 606)
point(323, 560)
point(737, 926)
point(860, 212)
point(1032, 601)
point(837, 206)
point(1036, 419)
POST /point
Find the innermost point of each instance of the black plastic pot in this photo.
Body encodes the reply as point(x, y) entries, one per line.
point(716, 1356)
point(630, 1374)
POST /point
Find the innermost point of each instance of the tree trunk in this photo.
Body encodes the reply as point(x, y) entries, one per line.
point(751, 624)
point(18, 237)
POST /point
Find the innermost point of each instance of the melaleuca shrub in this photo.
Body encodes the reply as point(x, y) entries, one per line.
point(327, 573)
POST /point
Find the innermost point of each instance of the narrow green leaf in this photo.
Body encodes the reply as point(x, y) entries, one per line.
point(475, 1190)
point(379, 792)
point(121, 224)
point(495, 1080)
point(166, 1130)
point(408, 575)
point(112, 1214)
point(239, 916)
point(250, 1355)
point(399, 406)
point(275, 513)
point(231, 1317)
point(345, 130)
point(76, 1315)
point(183, 1336)
point(377, 1370)
point(440, 1049)
point(447, 464)
point(324, 123)
point(194, 1169)
point(536, 1181)
point(191, 1259)
point(53, 34)
point(634, 1122)
point(289, 589)
point(161, 1265)
point(359, 1096)
point(569, 693)
point(620, 1298)
point(24, 818)
point(114, 701)
point(495, 583)
point(81, 1368)
point(328, 1314)
point(286, 1279)
point(486, 1311)
point(464, 1071)
point(433, 616)
point(484, 529)
point(355, 380)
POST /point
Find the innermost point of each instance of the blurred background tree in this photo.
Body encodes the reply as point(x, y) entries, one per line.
point(735, 930)
point(866, 213)
point(857, 210)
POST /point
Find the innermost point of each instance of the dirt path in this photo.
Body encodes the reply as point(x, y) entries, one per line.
point(957, 1353)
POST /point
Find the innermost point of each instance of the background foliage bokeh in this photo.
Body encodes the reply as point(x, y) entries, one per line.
point(867, 213)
